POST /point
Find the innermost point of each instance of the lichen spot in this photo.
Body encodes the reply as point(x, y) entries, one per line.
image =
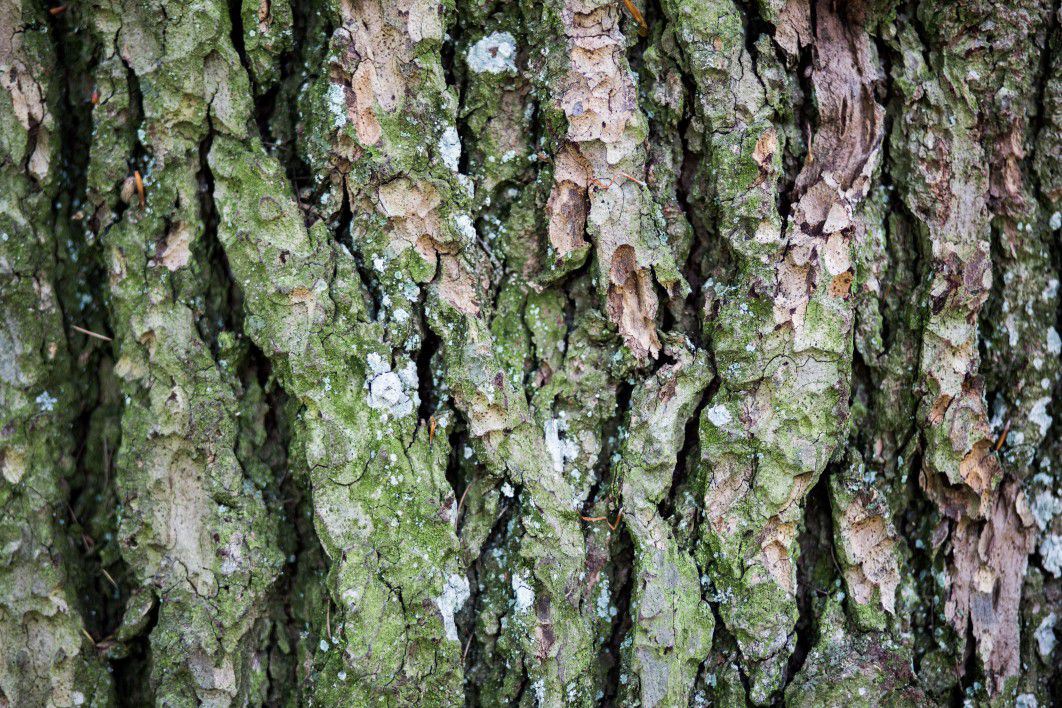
point(494, 54)
point(394, 393)
point(718, 416)
point(523, 594)
point(337, 104)
point(454, 595)
point(450, 148)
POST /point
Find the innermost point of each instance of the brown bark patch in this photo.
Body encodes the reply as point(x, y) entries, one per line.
point(630, 297)
point(456, 285)
point(869, 544)
point(566, 210)
point(989, 561)
point(176, 250)
point(841, 285)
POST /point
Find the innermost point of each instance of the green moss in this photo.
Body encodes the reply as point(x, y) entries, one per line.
point(47, 659)
point(268, 35)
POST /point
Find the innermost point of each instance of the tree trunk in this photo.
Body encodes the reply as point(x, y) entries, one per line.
point(551, 352)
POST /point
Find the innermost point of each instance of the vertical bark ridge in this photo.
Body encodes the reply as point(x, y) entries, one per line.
point(48, 656)
point(671, 626)
point(782, 332)
point(600, 169)
point(948, 185)
point(1018, 336)
point(1043, 587)
point(383, 507)
point(194, 526)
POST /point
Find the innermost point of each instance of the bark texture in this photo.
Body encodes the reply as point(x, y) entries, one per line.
point(552, 352)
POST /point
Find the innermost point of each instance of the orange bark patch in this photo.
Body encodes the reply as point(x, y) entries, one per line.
point(841, 285)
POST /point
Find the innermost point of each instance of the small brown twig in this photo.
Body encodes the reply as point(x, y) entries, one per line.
point(140, 188)
point(464, 654)
point(91, 333)
point(1002, 437)
point(108, 576)
point(613, 525)
point(643, 26)
point(606, 186)
point(461, 503)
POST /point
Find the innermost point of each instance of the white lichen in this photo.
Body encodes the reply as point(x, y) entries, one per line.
point(1050, 291)
point(454, 595)
point(46, 401)
point(1045, 636)
point(1039, 415)
point(524, 595)
point(390, 391)
point(1054, 342)
point(1026, 700)
point(1051, 553)
point(1012, 331)
point(539, 687)
point(553, 445)
point(604, 600)
point(337, 105)
point(1045, 506)
point(719, 416)
point(465, 227)
point(450, 148)
point(494, 54)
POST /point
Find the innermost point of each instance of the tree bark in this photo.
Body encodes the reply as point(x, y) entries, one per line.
point(566, 352)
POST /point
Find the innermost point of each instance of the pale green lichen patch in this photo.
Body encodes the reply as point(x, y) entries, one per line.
point(375, 475)
point(671, 625)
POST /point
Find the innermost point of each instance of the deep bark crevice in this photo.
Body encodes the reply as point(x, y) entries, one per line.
point(916, 526)
point(816, 572)
point(342, 231)
point(622, 580)
point(99, 588)
point(689, 454)
point(606, 486)
point(236, 37)
point(132, 685)
point(496, 538)
point(222, 310)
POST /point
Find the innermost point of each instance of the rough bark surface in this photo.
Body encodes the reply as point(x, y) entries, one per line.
point(552, 352)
